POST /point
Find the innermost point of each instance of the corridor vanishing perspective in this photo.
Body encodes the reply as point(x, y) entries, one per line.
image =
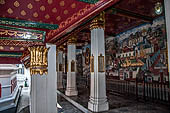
point(84, 56)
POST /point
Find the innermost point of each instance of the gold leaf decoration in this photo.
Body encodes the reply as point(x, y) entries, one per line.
point(16, 4)
point(62, 3)
point(47, 16)
point(10, 11)
point(35, 14)
point(50, 1)
point(54, 10)
point(23, 13)
point(11, 48)
point(37, 0)
point(29, 6)
point(73, 5)
point(21, 48)
point(42, 8)
point(1, 47)
point(2, 2)
point(58, 18)
point(65, 12)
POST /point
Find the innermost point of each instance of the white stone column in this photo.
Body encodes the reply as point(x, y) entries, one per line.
point(71, 89)
point(60, 69)
point(98, 99)
point(43, 85)
point(167, 17)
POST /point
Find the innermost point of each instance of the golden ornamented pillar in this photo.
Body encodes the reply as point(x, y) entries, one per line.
point(43, 79)
point(71, 88)
point(98, 99)
point(60, 66)
point(39, 62)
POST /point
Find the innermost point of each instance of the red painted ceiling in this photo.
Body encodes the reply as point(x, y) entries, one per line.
point(69, 14)
point(65, 13)
point(143, 7)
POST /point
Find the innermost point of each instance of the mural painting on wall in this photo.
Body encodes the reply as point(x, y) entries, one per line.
point(138, 52)
point(79, 61)
point(86, 60)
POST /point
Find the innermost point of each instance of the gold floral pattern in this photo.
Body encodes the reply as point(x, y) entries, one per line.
point(29, 6)
point(10, 11)
point(50, 1)
point(65, 12)
point(1, 47)
point(2, 2)
point(23, 13)
point(42, 8)
point(54, 10)
point(47, 16)
point(11, 48)
point(62, 3)
point(73, 5)
point(21, 48)
point(16, 4)
point(35, 14)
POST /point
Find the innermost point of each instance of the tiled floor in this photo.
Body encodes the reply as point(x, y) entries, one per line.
point(66, 106)
point(23, 105)
point(118, 104)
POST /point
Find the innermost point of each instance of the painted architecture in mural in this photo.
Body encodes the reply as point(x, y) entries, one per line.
point(138, 52)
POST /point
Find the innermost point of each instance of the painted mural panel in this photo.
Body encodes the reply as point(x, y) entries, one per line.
point(139, 52)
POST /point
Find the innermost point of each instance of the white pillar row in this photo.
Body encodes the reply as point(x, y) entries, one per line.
point(167, 17)
point(60, 68)
point(43, 86)
point(98, 99)
point(71, 88)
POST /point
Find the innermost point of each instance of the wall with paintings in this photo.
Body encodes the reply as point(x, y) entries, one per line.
point(79, 63)
point(86, 60)
point(138, 52)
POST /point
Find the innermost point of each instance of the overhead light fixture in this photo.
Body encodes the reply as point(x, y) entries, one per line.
point(158, 8)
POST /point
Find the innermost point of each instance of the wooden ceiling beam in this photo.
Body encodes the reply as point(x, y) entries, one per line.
point(132, 15)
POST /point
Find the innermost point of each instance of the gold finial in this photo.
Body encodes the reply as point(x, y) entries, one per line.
point(39, 62)
point(98, 22)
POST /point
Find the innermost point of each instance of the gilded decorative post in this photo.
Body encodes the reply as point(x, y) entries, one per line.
point(98, 99)
point(71, 89)
point(39, 62)
point(98, 22)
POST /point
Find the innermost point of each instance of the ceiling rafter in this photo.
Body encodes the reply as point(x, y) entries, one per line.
point(131, 15)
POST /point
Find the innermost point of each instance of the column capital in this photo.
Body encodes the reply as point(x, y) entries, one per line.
point(98, 22)
point(72, 39)
point(38, 62)
point(60, 48)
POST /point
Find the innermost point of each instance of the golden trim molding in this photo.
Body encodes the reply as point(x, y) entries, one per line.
point(39, 62)
point(98, 22)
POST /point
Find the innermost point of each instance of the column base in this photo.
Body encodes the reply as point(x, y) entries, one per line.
point(71, 92)
point(98, 105)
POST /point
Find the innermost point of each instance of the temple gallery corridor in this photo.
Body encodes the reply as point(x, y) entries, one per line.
point(84, 56)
